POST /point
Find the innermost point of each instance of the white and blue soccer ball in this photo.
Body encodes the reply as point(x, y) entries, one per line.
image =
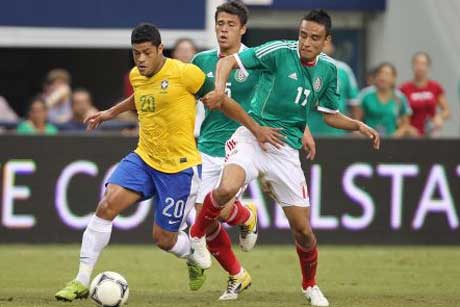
point(109, 289)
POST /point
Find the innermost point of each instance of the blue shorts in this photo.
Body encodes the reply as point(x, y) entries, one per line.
point(174, 194)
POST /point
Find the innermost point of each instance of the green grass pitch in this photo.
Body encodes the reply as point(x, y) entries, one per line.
point(349, 276)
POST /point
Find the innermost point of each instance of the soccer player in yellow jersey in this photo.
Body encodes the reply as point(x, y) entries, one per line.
point(166, 164)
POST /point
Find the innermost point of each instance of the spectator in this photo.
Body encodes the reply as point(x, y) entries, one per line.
point(370, 77)
point(347, 104)
point(36, 119)
point(184, 49)
point(57, 94)
point(383, 107)
point(425, 97)
point(82, 106)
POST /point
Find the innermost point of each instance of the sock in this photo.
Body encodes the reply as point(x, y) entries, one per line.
point(182, 248)
point(239, 214)
point(206, 217)
point(220, 246)
point(308, 263)
point(95, 238)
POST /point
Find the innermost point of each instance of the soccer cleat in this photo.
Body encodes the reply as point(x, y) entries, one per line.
point(196, 276)
point(235, 286)
point(248, 231)
point(73, 290)
point(316, 297)
point(200, 254)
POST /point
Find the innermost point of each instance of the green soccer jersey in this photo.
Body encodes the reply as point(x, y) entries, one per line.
point(381, 116)
point(349, 91)
point(216, 128)
point(287, 89)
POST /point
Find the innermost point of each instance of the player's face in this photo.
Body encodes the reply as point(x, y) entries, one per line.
point(229, 30)
point(385, 78)
point(312, 39)
point(147, 57)
point(421, 66)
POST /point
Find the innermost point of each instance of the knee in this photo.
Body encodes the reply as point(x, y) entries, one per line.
point(164, 242)
point(304, 234)
point(106, 208)
point(225, 192)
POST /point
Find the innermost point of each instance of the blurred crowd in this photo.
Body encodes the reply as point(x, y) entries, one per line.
point(414, 108)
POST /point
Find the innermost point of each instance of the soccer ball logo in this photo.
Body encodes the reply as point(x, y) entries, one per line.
point(109, 289)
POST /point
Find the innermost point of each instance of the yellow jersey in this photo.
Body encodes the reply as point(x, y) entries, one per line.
point(166, 108)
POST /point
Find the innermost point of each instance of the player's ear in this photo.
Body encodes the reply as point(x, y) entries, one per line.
point(160, 48)
point(329, 38)
point(243, 30)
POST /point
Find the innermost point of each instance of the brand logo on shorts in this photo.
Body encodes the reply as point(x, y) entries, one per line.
point(173, 222)
point(164, 84)
point(317, 84)
point(240, 76)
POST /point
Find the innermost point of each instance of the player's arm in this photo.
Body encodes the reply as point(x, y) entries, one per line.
point(308, 143)
point(329, 105)
point(340, 121)
point(93, 121)
point(223, 69)
point(233, 110)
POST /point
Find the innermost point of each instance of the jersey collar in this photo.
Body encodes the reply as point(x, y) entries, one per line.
point(242, 47)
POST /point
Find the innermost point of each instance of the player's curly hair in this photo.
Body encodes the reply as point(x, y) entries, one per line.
point(146, 32)
point(234, 7)
point(321, 17)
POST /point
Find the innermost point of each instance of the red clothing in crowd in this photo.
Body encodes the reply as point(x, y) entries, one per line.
point(423, 101)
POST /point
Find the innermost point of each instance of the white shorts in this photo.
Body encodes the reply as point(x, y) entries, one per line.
point(211, 168)
point(280, 168)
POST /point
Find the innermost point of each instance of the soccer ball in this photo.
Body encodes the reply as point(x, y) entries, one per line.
point(109, 289)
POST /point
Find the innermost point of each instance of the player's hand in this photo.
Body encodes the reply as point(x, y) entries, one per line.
point(309, 145)
point(370, 133)
point(213, 100)
point(94, 120)
point(269, 135)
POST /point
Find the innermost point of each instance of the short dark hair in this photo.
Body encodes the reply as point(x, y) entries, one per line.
point(422, 53)
point(321, 17)
point(146, 32)
point(235, 7)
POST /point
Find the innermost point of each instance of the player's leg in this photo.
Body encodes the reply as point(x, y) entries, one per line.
point(176, 195)
point(286, 180)
point(126, 186)
point(239, 169)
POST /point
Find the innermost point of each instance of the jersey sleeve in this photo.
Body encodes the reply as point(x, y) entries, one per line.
point(329, 102)
point(193, 78)
point(262, 57)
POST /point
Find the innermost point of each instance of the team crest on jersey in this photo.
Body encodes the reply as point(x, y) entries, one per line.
point(164, 84)
point(318, 84)
point(240, 76)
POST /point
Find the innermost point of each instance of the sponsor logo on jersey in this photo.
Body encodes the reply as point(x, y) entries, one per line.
point(210, 74)
point(240, 76)
point(293, 76)
point(164, 84)
point(318, 84)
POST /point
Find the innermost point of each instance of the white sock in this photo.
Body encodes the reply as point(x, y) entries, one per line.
point(182, 248)
point(95, 238)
